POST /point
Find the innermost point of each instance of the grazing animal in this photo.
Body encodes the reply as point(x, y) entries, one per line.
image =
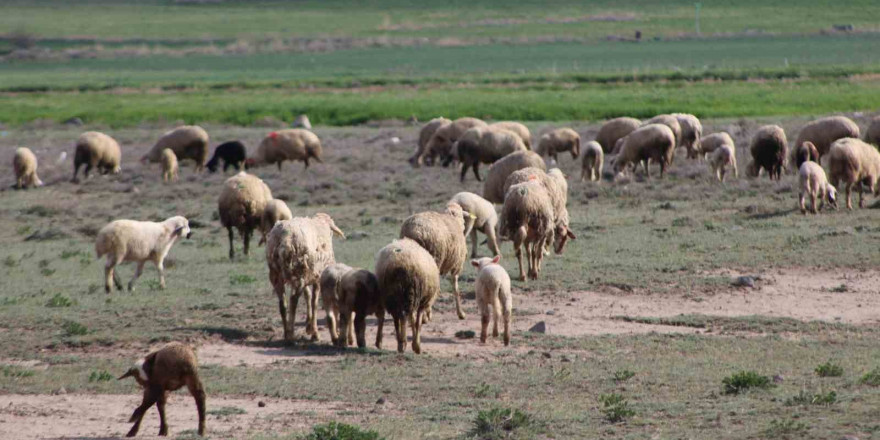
point(242, 202)
point(823, 132)
point(169, 166)
point(855, 163)
point(275, 211)
point(615, 129)
point(803, 153)
point(96, 150)
point(24, 164)
point(769, 149)
point(331, 280)
point(444, 138)
point(527, 219)
point(720, 159)
point(493, 187)
point(650, 142)
point(711, 142)
point(486, 220)
point(670, 121)
point(518, 129)
point(559, 140)
point(691, 133)
point(292, 144)
point(591, 164)
point(232, 153)
point(813, 183)
point(485, 145)
point(422, 155)
point(359, 294)
point(492, 288)
point(187, 142)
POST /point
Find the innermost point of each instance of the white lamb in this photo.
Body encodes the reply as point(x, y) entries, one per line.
point(493, 290)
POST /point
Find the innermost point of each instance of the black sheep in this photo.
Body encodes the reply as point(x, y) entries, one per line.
point(233, 154)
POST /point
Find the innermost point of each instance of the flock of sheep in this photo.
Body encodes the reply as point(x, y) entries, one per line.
point(406, 277)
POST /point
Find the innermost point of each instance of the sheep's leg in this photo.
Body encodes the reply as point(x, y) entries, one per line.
point(496, 311)
point(400, 332)
point(108, 274)
point(86, 171)
point(417, 332)
point(194, 385)
point(331, 324)
point(150, 397)
point(160, 405)
point(802, 203)
point(464, 169)
point(492, 240)
point(350, 325)
point(458, 309)
point(507, 312)
point(477, 171)
point(160, 266)
point(813, 203)
point(517, 250)
point(291, 310)
point(312, 311)
point(75, 172)
point(848, 194)
point(584, 174)
point(246, 236)
point(360, 328)
point(137, 274)
point(484, 316)
point(231, 247)
point(861, 195)
point(474, 242)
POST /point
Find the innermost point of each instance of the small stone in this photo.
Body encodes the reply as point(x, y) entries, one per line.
point(62, 390)
point(778, 378)
point(565, 358)
point(743, 281)
point(550, 312)
point(261, 404)
point(540, 327)
point(381, 401)
point(76, 122)
point(849, 437)
point(547, 354)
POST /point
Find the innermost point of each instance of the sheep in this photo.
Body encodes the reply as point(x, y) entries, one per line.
point(409, 281)
point(302, 121)
point(291, 144)
point(823, 132)
point(556, 186)
point(527, 219)
point(854, 162)
point(650, 142)
point(591, 164)
point(166, 370)
point(422, 155)
point(187, 142)
point(768, 149)
point(232, 153)
point(297, 251)
point(445, 136)
point(130, 240)
point(169, 166)
point(330, 283)
point(486, 219)
point(242, 202)
point(556, 141)
point(492, 288)
point(518, 129)
point(720, 159)
point(24, 164)
point(443, 234)
point(814, 183)
point(615, 129)
point(96, 150)
point(872, 133)
point(493, 187)
point(359, 294)
point(485, 145)
point(274, 212)
point(802, 153)
point(671, 122)
point(691, 133)
point(711, 142)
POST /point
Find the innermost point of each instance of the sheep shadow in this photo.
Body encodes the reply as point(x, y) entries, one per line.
point(771, 214)
point(228, 334)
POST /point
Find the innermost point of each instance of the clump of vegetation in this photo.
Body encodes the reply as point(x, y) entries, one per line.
point(829, 369)
point(502, 423)
point(807, 398)
point(73, 328)
point(100, 376)
point(783, 428)
point(615, 408)
point(59, 300)
point(16, 372)
point(871, 378)
point(226, 411)
point(237, 279)
point(341, 431)
point(465, 334)
point(10, 262)
point(744, 380)
point(623, 375)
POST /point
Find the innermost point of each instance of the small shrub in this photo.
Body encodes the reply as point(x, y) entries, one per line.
point(465, 334)
point(500, 423)
point(829, 369)
point(47, 272)
point(227, 411)
point(68, 254)
point(237, 279)
point(485, 390)
point(615, 408)
point(10, 262)
point(807, 398)
point(744, 380)
point(16, 372)
point(781, 428)
point(871, 378)
point(341, 431)
point(154, 285)
point(100, 376)
point(73, 328)
point(59, 300)
point(623, 375)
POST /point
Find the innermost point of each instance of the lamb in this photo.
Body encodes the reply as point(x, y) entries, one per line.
point(187, 142)
point(591, 164)
point(96, 150)
point(556, 186)
point(615, 129)
point(671, 122)
point(486, 219)
point(291, 144)
point(24, 164)
point(492, 288)
point(493, 187)
point(232, 153)
point(445, 136)
point(169, 166)
point(527, 218)
point(720, 159)
point(330, 284)
point(823, 132)
point(275, 211)
point(559, 140)
point(166, 370)
point(443, 234)
point(359, 294)
point(422, 155)
point(409, 281)
point(130, 240)
point(872, 133)
point(691, 132)
point(711, 142)
point(650, 142)
point(485, 145)
point(297, 251)
point(814, 183)
point(769, 149)
point(854, 162)
point(518, 129)
point(804, 152)
point(242, 202)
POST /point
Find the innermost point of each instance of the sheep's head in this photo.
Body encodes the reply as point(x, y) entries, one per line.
point(480, 263)
point(332, 225)
point(180, 226)
point(314, 151)
point(831, 195)
point(561, 236)
point(467, 219)
point(138, 372)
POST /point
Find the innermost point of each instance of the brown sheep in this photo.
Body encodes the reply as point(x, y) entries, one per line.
point(671, 122)
point(292, 144)
point(485, 145)
point(187, 142)
point(242, 201)
point(650, 142)
point(518, 129)
point(691, 133)
point(527, 219)
point(97, 150)
point(768, 149)
point(359, 294)
point(803, 153)
point(823, 132)
point(854, 162)
point(592, 163)
point(559, 140)
point(445, 136)
point(422, 156)
point(615, 129)
point(493, 187)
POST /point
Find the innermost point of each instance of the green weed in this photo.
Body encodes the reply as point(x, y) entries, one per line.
point(743, 381)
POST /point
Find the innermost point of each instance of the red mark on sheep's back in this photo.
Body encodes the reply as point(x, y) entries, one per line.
point(273, 135)
point(533, 177)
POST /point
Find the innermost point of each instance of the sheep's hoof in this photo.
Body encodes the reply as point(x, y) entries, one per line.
point(107, 289)
point(314, 338)
point(462, 315)
point(130, 288)
point(522, 277)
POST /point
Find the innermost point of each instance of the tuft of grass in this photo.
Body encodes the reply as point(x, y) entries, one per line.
point(15, 372)
point(485, 390)
point(502, 423)
point(227, 411)
point(784, 428)
point(615, 408)
point(341, 431)
point(465, 334)
point(805, 397)
point(745, 380)
point(100, 376)
point(871, 378)
point(623, 375)
point(829, 369)
point(10, 262)
point(238, 279)
point(59, 300)
point(73, 328)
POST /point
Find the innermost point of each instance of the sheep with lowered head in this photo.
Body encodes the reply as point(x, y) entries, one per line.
point(485, 145)
point(493, 187)
point(169, 166)
point(166, 370)
point(242, 202)
point(872, 133)
point(130, 240)
point(720, 159)
point(711, 142)
point(803, 153)
point(855, 163)
point(24, 164)
point(96, 150)
point(824, 131)
point(615, 129)
point(359, 295)
point(444, 137)
point(409, 281)
point(422, 155)
point(768, 149)
point(556, 186)
point(518, 129)
point(559, 140)
point(331, 282)
point(591, 164)
point(492, 288)
point(691, 133)
point(650, 142)
point(527, 219)
point(486, 219)
point(275, 211)
point(297, 251)
point(232, 153)
point(187, 142)
point(291, 144)
point(814, 183)
point(671, 122)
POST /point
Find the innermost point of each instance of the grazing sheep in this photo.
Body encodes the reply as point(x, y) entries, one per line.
point(804, 152)
point(527, 219)
point(187, 142)
point(445, 136)
point(854, 162)
point(302, 121)
point(330, 283)
point(671, 122)
point(486, 219)
point(297, 251)
point(274, 212)
point(591, 164)
point(559, 140)
point(492, 288)
point(711, 142)
point(493, 187)
point(823, 132)
point(443, 235)
point(485, 145)
point(166, 370)
point(720, 159)
point(359, 294)
point(241, 204)
point(769, 149)
point(169, 166)
point(518, 129)
point(872, 133)
point(814, 183)
point(96, 150)
point(615, 129)
point(130, 240)
point(556, 186)
point(691, 133)
point(409, 282)
point(24, 164)
point(650, 142)
point(291, 144)
point(232, 153)
point(422, 155)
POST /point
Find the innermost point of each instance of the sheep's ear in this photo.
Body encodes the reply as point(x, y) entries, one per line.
point(475, 263)
point(132, 372)
point(178, 230)
point(570, 234)
point(496, 259)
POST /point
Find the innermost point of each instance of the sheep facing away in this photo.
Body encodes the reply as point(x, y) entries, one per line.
point(556, 186)
point(486, 220)
point(297, 251)
point(187, 142)
point(671, 122)
point(292, 144)
point(854, 162)
point(615, 129)
point(720, 159)
point(591, 164)
point(711, 142)
point(813, 183)
point(527, 219)
point(331, 280)
point(169, 166)
point(422, 155)
point(130, 240)
point(275, 211)
point(96, 150)
point(516, 128)
point(823, 132)
point(804, 152)
point(768, 149)
point(492, 288)
point(691, 133)
point(232, 153)
point(242, 202)
point(559, 140)
point(359, 294)
point(409, 281)
point(493, 187)
point(650, 142)
point(24, 164)
point(444, 137)
point(166, 370)
point(485, 145)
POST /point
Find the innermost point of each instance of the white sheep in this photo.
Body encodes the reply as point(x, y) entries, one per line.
point(359, 295)
point(814, 183)
point(720, 159)
point(24, 164)
point(169, 165)
point(331, 283)
point(492, 288)
point(650, 142)
point(242, 202)
point(711, 142)
point(591, 164)
point(824, 131)
point(556, 186)
point(275, 211)
point(486, 220)
point(854, 162)
point(671, 122)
